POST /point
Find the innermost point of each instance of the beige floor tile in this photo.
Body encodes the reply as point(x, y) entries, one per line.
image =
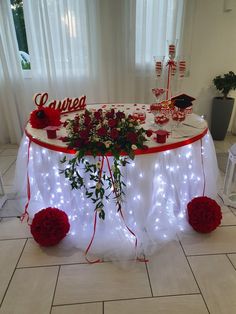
point(9, 152)
point(228, 218)
point(31, 291)
point(85, 283)
point(232, 257)
point(170, 273)
point(92, 308)
point(12, 228)
point(187, 304)
point(10, 209)
point(10, 251)
point(217, 280)
point(10, 146)
point(10, 190)
point(222, 240)
point(8, 177)
point(222, 146)
point(34, 255)
point(5, 163)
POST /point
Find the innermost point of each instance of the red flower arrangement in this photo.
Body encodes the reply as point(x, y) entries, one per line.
point(99, 133)
point(204, 214)
point(50, 226)
point(45, 116)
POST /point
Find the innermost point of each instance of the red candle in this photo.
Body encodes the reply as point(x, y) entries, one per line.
point(51, 132)
point(161, 136)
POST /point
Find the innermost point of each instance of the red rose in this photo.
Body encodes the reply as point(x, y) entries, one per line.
point(49, 226)
point(149, 133)
point(98, 114)
point(84, 134)
point(87, 120)
point(132, 137)
point(114, 134)
point(112, 123)
point(204, 214)
point(120, 115)
point(110, 114)
point(102, 131)
point(53, 116)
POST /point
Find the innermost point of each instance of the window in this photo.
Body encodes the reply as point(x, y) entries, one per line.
point(18, 17)
point(158, 24)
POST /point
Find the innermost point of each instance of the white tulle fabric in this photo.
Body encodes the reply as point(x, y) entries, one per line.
point(158, 188)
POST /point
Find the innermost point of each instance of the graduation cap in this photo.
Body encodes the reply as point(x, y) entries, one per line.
point(182, 101)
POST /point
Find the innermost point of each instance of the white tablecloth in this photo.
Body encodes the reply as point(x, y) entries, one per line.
point(159, 186)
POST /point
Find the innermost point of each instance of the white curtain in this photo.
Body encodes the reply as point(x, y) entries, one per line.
point(12, 101)
point(101, 48)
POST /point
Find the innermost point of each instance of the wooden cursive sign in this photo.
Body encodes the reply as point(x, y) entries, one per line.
point(65, 105)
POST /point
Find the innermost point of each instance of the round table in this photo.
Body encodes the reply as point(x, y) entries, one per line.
point(160, 181)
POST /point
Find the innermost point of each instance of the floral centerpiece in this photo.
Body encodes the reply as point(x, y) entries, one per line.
point(100, 133)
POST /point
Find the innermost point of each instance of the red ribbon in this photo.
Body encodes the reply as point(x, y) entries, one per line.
point(171, 64)
point(91, 241)
point(150, 150)
point(26, 214)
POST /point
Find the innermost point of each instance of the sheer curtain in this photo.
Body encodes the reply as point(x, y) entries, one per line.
point(12, 101)
point(101, 48)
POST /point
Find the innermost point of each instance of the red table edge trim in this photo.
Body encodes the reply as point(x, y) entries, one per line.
point(150, 150)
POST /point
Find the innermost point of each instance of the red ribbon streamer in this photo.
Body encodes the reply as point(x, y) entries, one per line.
point(26, 214)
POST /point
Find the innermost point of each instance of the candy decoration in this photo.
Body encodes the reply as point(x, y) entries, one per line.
point(171, 51)
point(161, 119)
point(158, 68)
point(182, 68)
point(158, 91)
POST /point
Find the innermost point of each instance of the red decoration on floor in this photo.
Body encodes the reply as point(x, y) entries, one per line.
point(204, 214)
point(50, 226)
point(43, 117)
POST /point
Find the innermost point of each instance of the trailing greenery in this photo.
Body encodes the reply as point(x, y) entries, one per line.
point(225, 83)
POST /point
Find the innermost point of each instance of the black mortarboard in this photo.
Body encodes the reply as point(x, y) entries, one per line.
point(182, 101)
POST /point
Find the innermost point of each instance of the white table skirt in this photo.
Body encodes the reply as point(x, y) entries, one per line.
point(158, 188)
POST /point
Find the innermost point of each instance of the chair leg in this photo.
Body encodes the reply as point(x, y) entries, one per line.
point(3, 196)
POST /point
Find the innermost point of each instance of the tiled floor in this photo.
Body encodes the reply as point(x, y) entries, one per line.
point(194, 274)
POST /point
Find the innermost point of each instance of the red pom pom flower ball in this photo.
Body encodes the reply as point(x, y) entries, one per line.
point(204, 214)
point(50, 226)
point(45, 116)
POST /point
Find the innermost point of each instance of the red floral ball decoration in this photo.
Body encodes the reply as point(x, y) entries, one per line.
point(43, 117)
point(204, 214)
point(50, 226)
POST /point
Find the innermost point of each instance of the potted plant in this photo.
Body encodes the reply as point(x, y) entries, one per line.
point(222, 107)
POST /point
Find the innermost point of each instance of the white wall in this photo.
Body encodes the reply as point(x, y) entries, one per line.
point(213, 51)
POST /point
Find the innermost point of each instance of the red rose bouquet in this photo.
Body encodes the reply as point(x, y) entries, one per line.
point(99, 133)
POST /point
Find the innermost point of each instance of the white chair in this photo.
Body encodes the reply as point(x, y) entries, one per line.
point(3, 196)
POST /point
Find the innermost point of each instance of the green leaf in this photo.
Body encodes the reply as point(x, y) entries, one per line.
point(63, 160)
